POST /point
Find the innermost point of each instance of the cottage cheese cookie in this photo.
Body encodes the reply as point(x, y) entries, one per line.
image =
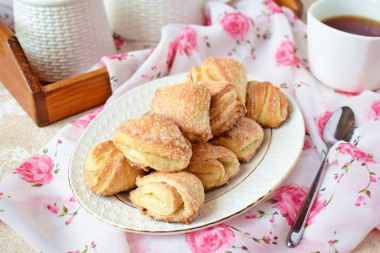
point(188, 105)
point(171, 197)
point(153, 141)
point(107, 171)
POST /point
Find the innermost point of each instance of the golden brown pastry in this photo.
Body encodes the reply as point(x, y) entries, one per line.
point(225, 110)
point(225, 70)
point(188, 105)
point(266, 104)
point(171, 197)
point(213, 165)
point(243, 139)
point(153, 141)
point(107, 171)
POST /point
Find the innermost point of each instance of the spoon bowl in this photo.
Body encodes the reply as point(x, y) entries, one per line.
point(339, 127)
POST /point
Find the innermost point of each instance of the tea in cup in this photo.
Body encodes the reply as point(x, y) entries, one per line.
point(344, 43)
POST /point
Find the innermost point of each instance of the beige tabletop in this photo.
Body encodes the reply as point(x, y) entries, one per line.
point(21, 138)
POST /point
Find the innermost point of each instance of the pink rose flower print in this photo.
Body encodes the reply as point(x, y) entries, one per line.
point(118, 40)
point(54, 209)
point(347, 94)
point(207, 19)
point(171, 53)
point(376, 109)
point(332, 242)
point(354, 152)
point(340, 177)
point(118, 56)
point(69, 221)
point(235, 24)
point(290, 199)
point(359, 201)
point(37, 170)
point(285, 54)
point(273, 7)
point(187, 42)
point(321, 121)
point(214, 239)
point(306, 144)
point(83, 121)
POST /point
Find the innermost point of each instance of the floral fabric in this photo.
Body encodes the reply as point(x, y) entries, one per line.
point(36, 200)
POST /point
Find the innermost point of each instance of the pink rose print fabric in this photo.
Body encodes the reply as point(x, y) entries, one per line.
point(354, 152)
point(119, 41)
point(187, 42)
point(273, 7)
point(290, 199)
point(321, 120)
point(171, 53)
point(285, 54)
point(347, 94)
point(118, 56)
point(235, 24)
point(306, 144)
point(37, 170)
point(37, 202)
point(376, 109)
point(83, 121)
point(214, 239)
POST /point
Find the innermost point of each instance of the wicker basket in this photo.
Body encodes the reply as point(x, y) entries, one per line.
point(142, 20)
point(62, 38)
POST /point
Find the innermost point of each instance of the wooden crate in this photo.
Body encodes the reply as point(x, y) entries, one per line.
point(47, 103)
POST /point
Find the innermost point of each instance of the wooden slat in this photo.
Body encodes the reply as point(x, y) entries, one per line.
point(76, 94)
point(18, 77)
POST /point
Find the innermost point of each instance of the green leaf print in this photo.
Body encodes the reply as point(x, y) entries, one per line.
point(329, 200)
point(85, 249)
point(271, 201)
point(256, 240)
point(237, 229)
point(64, 211)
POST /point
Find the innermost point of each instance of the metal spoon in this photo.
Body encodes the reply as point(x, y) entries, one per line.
point(340, 126)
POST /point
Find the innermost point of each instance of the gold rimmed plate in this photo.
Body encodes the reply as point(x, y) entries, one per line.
point(269, 167)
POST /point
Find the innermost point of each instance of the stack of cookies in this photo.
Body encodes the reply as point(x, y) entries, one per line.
point(192, 141)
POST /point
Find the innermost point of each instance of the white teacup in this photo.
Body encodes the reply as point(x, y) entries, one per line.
point(342, 60)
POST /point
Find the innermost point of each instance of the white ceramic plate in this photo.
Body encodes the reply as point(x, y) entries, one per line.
point(256, 179)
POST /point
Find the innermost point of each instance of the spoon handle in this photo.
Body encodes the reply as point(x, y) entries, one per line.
point(296, 232)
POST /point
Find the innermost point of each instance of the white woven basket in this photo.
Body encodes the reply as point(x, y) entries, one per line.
point(142, 19)
point(62, 38)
